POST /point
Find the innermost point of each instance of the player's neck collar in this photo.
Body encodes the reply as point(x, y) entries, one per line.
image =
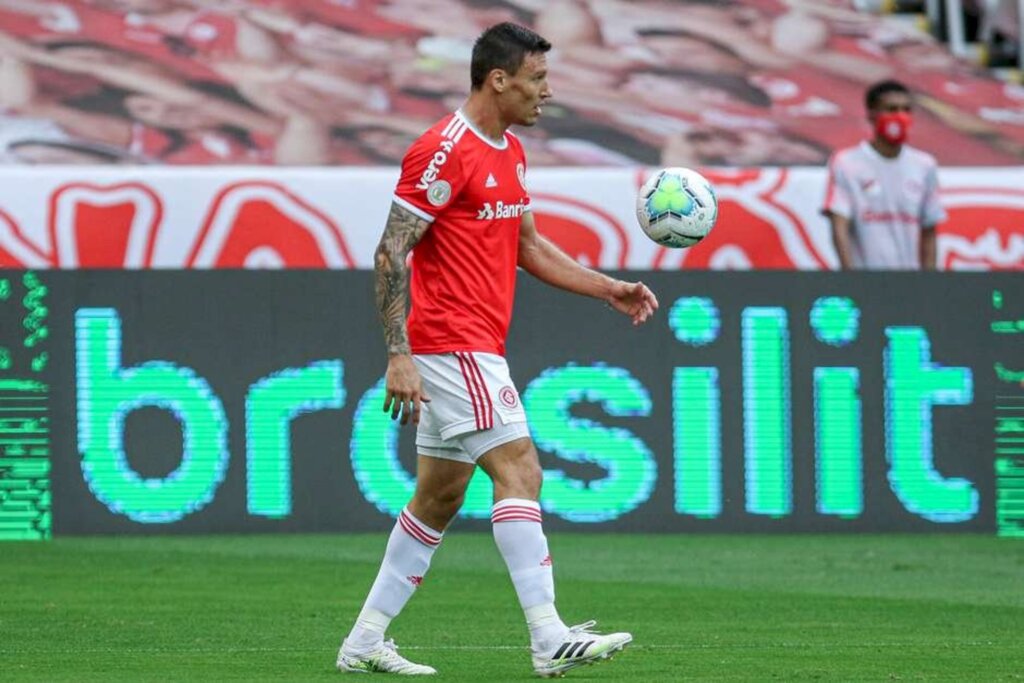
point(476, 131)
point(878, 155)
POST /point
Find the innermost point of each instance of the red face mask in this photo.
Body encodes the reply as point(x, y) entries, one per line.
point(893, 127)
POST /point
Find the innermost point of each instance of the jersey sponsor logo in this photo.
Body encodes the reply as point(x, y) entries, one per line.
point(439, 159)
point(870, 187)
point(439, 192)
point(500, 210)
point(889, 217)
point(508, 397)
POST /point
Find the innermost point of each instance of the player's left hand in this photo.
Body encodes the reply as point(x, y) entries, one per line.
point(633, 299)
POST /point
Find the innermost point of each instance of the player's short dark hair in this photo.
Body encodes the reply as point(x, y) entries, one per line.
point(875, 92)
point(503, 46)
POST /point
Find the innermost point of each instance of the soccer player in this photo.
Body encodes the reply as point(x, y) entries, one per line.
point(883, 195)
point(462, 202)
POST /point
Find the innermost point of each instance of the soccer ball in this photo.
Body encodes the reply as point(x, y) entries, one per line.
point(677, 207)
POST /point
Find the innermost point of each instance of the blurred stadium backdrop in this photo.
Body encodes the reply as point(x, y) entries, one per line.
point(756, 483)
point(180, 135)
point(190, 195)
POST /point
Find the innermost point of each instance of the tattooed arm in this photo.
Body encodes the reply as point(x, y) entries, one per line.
point(404, 391)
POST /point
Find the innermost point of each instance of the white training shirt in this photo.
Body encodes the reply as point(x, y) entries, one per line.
point(888, 201)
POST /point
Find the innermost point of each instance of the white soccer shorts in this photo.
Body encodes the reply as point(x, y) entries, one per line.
point(474, 406)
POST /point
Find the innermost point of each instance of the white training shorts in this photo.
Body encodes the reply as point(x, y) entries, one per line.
point(474, 406)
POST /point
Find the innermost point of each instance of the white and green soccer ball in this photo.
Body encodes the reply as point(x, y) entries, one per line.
point(677, 207)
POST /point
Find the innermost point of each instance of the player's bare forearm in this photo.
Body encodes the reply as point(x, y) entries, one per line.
point(841, 240)
point(403, 230)
point(546, 262)
point(928, 249)
point(539, 257)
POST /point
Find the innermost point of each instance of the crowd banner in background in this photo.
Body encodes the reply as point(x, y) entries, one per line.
point(317, 218)
point(352, 82)
point(193, 402)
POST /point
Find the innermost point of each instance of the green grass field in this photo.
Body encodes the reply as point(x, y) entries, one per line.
point(701, 608)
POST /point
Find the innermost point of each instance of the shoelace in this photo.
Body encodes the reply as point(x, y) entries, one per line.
point(395, 659)
point(584, 627)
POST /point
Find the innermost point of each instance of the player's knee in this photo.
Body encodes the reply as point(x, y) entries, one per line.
point(518, 473)
point(445, 503)
point(449, 502)
point(531, 476)
point(527, 470)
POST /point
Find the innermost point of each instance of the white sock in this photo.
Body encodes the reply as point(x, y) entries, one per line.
point(405, 563)
point(520, 538)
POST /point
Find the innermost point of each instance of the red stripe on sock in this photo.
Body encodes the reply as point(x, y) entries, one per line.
point(517, 516)
point(515, 508)
point(413, 530)
point(423, 529)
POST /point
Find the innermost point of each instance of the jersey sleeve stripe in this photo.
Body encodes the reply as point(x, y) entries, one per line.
point(448, 129)
point(412, 208)
point(456, 131)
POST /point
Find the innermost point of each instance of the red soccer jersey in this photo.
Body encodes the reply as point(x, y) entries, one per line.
point(473, 190)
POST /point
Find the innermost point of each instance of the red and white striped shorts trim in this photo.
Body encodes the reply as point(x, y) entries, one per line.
point(418, 530)
point(483, 409)
point(515, 510)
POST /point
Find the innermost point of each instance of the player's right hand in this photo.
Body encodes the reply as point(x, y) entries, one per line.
point(404, 389)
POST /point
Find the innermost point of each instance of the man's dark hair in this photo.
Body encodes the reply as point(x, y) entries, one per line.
point(875, 92)
point(503, 46)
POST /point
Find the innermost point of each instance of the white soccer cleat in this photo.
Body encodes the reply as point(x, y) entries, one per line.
point(384, 660)
point(581, 646)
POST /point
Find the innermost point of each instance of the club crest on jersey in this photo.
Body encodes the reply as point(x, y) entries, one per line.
point(500, 210)
point(439, 192)
point(439, 160)
point(521, 174)
point(508, 397)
